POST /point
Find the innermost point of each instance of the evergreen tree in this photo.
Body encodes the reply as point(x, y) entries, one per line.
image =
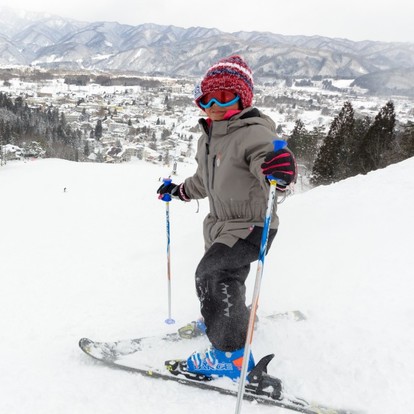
point(7, 134)
point(297, 138)
point(86, 149)
point(355, 155)
point(303, 144)
point(346, 140)
point(165, 134)
point(98, 130)
point(167, 157)
point(329, 165)
point(153, 144)
point(379, 139)
point(279, 129)
point(407, 141)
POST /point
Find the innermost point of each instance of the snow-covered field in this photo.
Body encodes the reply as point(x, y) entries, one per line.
point(91, 261)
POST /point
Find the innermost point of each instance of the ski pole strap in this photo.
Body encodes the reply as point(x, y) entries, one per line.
point(166, 197)
point(278, 144)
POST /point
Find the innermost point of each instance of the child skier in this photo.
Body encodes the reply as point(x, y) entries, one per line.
point(234, 156)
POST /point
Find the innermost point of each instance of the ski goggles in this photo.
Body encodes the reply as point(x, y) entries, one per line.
point(220, 98)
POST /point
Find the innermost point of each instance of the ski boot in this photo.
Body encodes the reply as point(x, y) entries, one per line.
point(204, 366)
point(214, 363)
point(193, 329)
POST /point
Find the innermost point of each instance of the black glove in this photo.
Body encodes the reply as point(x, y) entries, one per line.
point(174, 190)
point(281, 165)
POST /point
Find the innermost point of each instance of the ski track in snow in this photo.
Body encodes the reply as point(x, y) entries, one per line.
point(91, 261)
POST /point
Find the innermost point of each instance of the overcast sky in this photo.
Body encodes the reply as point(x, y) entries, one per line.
point(351, 19)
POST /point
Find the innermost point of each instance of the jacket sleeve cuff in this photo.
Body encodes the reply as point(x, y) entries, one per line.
point(183, 194)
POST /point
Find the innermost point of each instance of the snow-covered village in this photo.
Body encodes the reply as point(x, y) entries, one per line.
point(196, 220)
point(119, 118)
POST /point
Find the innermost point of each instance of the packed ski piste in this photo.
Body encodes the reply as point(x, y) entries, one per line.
point(91, 262)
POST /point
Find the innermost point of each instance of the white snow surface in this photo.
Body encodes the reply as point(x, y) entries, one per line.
point(91, 262)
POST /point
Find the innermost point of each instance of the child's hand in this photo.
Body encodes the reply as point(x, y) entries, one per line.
point(174, 190)
point(281, 165)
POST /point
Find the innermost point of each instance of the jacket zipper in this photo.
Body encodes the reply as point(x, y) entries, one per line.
point(213, 209)
point(213, 171)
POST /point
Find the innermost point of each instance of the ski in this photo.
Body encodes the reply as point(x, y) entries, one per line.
point(261, 389)
point(120, 348)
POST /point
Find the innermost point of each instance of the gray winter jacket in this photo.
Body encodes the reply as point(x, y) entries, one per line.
point(229, 156)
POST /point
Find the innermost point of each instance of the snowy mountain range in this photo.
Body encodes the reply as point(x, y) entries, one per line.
point(56, 42)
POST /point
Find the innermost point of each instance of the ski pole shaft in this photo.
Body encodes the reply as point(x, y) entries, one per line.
point(167, 199)
point(169, 320)
point(278, 144)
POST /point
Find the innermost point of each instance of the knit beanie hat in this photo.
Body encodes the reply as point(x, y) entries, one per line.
point(231, 73)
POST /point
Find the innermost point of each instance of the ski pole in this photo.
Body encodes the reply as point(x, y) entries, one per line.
point(277, 145)
point(167, 199)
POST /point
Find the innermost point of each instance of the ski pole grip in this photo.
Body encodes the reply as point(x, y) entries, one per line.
point(166, 197)
point(278, 144)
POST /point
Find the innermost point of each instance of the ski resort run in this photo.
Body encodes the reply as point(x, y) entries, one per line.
point(83, 255)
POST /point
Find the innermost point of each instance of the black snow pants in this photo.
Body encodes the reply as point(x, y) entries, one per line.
point(220, 285)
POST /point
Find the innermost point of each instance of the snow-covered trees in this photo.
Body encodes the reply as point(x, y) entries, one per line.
point(304, 143)
point(20, 125)
point(331, 162)
point(98, 129)
point(406, 140)
point(357, 146)
point(379, 139)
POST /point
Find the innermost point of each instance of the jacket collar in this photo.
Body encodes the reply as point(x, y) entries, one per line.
point(222, 126)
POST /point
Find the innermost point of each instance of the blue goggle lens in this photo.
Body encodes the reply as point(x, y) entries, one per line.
point(217, 102)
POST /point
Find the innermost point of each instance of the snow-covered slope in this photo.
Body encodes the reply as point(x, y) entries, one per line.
point(91, 262)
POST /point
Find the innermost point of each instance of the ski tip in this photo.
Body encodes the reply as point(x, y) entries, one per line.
point(84, 341)
point(85, 344)
point(170, 321)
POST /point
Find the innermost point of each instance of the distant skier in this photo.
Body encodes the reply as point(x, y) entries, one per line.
point(174, 170)
point(64, 189)
point(234, 155)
